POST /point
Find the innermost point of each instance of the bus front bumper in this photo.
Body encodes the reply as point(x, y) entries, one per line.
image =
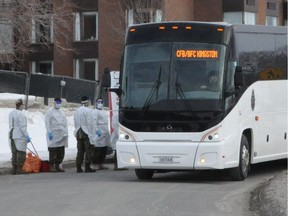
point(173, 156)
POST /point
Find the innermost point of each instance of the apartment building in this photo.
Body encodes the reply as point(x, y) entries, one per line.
point(97, 29)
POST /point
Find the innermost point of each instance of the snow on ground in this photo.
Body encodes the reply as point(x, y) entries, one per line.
point(36, 127)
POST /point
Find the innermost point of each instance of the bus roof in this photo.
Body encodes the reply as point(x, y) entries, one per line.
point(183, 22)
point(260, 29)
point(205, 32)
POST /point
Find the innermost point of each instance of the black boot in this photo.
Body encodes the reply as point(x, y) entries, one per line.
point(79, 169)
point(52, 168)
point(88, 168)
point(14, 169)
point(20, 171)
point(58, 168)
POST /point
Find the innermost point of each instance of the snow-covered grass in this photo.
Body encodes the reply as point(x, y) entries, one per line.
point(36, 127)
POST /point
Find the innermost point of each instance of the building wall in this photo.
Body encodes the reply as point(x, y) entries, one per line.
point(208, 10)
point(233, 6)
point(63, 63)
point(63, 59)
point(84, 5)
point(261, 15)
point(284, 10)
point(111, 37)
point(180, 10)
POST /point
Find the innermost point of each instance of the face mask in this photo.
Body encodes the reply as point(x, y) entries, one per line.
point(57, 105)
point(99, 106)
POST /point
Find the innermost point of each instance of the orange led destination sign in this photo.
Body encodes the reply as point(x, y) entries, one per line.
point(197, 53)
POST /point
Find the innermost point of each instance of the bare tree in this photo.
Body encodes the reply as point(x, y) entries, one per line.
point(27, 22)
point(130, 12)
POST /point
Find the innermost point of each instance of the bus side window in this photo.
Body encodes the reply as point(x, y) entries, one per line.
point(230, 87)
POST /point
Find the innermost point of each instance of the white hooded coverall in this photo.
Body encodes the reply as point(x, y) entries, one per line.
point(83, 119)
point(100, 122)
point(56, 122)
point(18, 121)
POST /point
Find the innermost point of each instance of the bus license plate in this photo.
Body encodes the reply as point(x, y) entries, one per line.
point(165, 159)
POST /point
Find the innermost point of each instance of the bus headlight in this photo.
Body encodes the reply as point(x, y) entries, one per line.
point(124, 135)
point(212, 135)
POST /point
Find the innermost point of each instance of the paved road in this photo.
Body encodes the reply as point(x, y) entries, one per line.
point(111, 193)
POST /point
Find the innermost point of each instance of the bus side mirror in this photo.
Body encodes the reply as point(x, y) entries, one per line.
point(238, 77)
point(106, 78)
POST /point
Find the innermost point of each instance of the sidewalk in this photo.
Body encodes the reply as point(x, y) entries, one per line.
point(69, 162)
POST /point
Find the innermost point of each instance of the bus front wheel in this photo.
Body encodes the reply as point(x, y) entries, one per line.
point(241, 172)
point(144, 174)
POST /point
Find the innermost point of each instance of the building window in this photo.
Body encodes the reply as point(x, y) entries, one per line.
point(42, 31)
point(143, 16)
point(233, 17)
point(6, 37)
point(86, 69)
point(249, 18)
point(271, 6)
point(44, 67)
point(271, 21)
point(250, 2)
point(86, 26)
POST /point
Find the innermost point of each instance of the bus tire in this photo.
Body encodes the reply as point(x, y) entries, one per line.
point(240, 173)
point(144, 174)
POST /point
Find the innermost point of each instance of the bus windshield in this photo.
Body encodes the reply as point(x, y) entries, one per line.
point(173, 76)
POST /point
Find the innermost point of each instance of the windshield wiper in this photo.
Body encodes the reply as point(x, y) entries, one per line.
point(154, 90)
point(179, 91)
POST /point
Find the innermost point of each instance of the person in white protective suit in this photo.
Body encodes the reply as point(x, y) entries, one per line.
point(19, 137)
point(83, 123)
point(101, 136)
point(57, 135)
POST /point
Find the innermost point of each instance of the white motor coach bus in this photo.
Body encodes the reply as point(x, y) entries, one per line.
point(202, 96)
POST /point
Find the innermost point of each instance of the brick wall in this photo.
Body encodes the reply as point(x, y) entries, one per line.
point(63, 60)
point(110, 36)
point(180, 10)
point(208, 10)
point(261, 15)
